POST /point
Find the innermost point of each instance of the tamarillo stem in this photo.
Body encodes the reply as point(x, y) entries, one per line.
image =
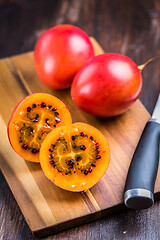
point(141, 67)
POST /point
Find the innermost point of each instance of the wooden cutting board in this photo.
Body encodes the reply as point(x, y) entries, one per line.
point(47, 208)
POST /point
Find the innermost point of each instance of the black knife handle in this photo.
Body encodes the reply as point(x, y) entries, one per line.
point(139, 188)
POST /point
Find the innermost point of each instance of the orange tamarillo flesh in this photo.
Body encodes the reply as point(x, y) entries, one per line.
point(32, 119)
point(75, 157)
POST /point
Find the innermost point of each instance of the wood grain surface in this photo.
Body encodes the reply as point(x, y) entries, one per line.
point(129, 27)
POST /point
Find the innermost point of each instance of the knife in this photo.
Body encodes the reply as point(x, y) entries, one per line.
point(140, 181)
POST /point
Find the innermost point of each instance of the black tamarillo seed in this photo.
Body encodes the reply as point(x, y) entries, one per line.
point(35, 150)
point(46, 120)
point(98, 157)
point(70, 163)
point(70, 166)
point(28, 109)
point(54, 125)
point(49, 106)
point(78, 158)
point(93, 165)
point(50, 156)
point(52, 162)
point(91, 138)
point(83, 147)
point(35, 120)
point(82, 134)
point(34, 105)
point(57, 120)
point(43, 105)
point(90, 169)
point(25, 146)
point(51, 150)
point(73, 138)
point(97, 147)
point(86, 172)
point(54, 109)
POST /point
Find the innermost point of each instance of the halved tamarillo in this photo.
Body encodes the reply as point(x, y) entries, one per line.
point(32, 119)
point(75, 157)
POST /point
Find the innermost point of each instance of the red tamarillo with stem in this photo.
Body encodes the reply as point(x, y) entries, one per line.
point(108, 84)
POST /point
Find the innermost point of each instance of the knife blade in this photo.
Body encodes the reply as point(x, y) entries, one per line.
point(141, 177)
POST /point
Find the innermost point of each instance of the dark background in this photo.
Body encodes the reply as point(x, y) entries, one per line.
point(130, 27)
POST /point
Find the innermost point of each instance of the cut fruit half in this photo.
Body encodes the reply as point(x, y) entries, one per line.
point(33, 118)
point(75, 157)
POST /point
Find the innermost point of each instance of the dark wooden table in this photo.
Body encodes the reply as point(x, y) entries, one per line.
point(129, 27)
